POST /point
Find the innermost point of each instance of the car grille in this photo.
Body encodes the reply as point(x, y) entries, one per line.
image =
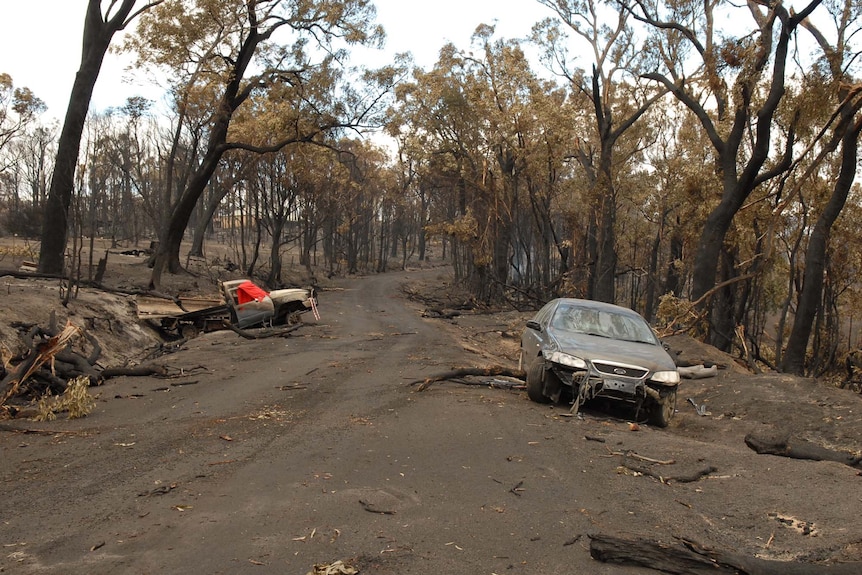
point(611, 370)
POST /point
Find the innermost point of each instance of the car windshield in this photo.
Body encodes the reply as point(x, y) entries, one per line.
point(602, 323)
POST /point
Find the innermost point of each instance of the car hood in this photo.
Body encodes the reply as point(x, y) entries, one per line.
point(281, 296)
point(597, 348)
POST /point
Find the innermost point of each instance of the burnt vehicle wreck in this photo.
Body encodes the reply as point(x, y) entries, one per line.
point(243, 305)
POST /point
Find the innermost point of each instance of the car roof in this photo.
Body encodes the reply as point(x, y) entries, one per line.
point(596, 305)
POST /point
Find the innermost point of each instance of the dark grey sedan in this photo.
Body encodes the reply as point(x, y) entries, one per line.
point(582, 349)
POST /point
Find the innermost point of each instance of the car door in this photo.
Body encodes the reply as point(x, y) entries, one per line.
point(535, 335)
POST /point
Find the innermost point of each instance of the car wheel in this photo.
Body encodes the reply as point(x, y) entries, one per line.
point(535, 385)
point(663, 412)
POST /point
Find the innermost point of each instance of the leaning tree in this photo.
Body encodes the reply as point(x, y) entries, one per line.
point(99, 29)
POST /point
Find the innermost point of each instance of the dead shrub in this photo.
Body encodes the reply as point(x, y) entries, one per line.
point(76, 401)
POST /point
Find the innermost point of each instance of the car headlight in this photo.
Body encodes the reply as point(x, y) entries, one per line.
point(666, 376)
point(565, 359)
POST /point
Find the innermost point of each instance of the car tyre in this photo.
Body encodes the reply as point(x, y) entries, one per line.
point(535, 384)
point(663, 412)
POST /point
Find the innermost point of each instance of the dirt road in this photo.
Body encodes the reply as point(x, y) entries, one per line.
point(274, 455)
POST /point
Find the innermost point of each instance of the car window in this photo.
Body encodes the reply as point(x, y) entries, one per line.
point(544, 313)
point(602, 323)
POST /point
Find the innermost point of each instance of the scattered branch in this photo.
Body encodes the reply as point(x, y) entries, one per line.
point(691, 477)
point(262, 334)
point(468, 371)
point(371, 508)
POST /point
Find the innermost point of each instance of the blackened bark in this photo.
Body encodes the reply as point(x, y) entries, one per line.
point(715, 230)
point(722, 321)
point(274, 279)
point(604, 280)
point(652, 273)
point(674, 278)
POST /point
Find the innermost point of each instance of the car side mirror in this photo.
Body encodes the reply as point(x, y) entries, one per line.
point(533, 324)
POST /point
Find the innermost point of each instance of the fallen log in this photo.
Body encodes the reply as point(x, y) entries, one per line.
point(689, 558)
point(72, 364)
point(493, 370)
point(796, 448)
point(50, 382)
point(24, 275)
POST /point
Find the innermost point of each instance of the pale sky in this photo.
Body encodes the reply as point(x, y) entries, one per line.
point(40, 46)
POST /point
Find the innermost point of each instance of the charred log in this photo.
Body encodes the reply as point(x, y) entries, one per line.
point(440, 313)
point(140, 371)
point(796, 448)
point(689, 558)
point(493, 370)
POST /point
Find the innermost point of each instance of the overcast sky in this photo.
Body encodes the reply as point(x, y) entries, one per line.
point(40, 46)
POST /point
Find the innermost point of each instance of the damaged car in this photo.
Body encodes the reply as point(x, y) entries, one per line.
point(579, 350)
point(243, 305)
point(251, 305)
